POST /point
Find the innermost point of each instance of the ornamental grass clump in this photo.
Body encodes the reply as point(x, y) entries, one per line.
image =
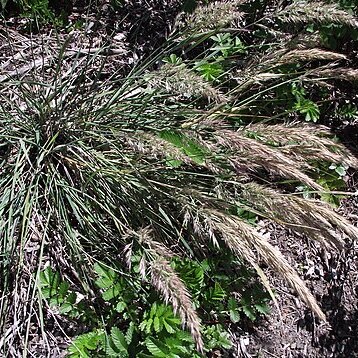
point(153, 166)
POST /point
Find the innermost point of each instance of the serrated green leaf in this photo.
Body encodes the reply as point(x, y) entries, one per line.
point(143, 325)
point(71, 298)
point(104, 282)
point(46, 292)
point(263, 308)
point(153, 310)
point(232, 304)
point(174, 342)
point(104, 272)
point(121, 306)
point(45, 276)
point(157, 348)
point(91, 343)
point(249, 312)
point(84, 342)
point(149, 325)
point(119, 339)
point(130, 332)
point(216, 293)
point(168, 327)
point(111, 292)
point(184, 336)
point(50, 278)
point(174, 321)
point(65, 308)
point(162, 310)
point(55, 300)
point(156, 324)
point(63, 288)
point(77, 352)
point(234, 316)
point(340, 170)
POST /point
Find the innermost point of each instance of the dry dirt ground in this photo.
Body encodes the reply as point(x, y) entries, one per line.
point(290, 330)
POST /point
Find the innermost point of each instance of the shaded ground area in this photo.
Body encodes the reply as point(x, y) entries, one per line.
point(293, 331)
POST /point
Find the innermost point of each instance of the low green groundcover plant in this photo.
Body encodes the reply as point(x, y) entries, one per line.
point(137, 324)
point(129, 203)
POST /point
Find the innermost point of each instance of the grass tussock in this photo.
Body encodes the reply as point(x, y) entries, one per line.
point(167, 156)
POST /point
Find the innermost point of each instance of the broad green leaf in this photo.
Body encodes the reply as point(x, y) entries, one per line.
point(55, 300)
point(175, 163)
point(50, 278)
point(187, 145)
point(341, 170)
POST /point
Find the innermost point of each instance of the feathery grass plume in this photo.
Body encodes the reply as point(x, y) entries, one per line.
point(259, 70)
point(305, 41)
point(243, 240)
point(311, 217)
point(304, 142)
point(156, 148)
point(339, 73)
point(210, 17)
point(309, 55)
point(282, 56)
point(316, 11)
point(260, 67)
point(181, 81)
point(156, 248)
point(168, 283)
point(254, 153)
